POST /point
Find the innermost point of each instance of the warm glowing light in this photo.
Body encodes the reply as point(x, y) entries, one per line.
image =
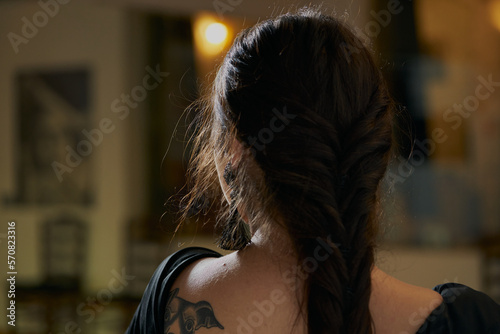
point(495, 13)
point(211, 35)
point(216, 33)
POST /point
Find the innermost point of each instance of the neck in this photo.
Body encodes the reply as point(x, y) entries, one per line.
point(270, 244)
point(273, 239)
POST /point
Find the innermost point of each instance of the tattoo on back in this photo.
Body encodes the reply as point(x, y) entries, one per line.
point(189, 316)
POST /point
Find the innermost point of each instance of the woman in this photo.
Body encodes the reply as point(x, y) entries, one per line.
point(297, 134)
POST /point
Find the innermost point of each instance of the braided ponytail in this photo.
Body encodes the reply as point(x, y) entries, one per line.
point(320, 169)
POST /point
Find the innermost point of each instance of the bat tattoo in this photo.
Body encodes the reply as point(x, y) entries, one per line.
point(190, 316)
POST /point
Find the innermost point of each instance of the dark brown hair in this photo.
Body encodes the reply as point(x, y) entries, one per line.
point(304, 98)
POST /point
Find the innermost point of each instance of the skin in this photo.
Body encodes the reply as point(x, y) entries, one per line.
point(234, 284)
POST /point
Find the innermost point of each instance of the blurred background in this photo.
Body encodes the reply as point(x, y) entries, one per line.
point(92, 135)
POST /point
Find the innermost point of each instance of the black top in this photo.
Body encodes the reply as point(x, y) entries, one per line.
point(463, 310)
point(150, 314)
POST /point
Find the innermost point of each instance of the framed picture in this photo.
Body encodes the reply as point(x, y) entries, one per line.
point(53, 120)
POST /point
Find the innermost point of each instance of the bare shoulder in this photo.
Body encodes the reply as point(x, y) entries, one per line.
point(226, 294)
point(231, 295)
point(187, 308)
point(399, 307)
point(202, 273)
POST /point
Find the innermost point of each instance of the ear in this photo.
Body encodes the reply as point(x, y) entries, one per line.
point(205, 316)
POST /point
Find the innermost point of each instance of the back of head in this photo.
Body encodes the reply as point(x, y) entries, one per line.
point(308, 105)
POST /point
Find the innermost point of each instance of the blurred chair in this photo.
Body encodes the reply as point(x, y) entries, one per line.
point(52, 304)
point(491, 268)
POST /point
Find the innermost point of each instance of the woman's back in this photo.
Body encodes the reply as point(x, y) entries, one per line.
point(246, 291)
point(254, 291)
point(196, 289)
point(295, 138)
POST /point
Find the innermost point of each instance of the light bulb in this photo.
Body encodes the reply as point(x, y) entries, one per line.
point(216, 33)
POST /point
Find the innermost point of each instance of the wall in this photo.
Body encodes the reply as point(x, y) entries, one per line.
point(430, 267)
point(98, 37)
